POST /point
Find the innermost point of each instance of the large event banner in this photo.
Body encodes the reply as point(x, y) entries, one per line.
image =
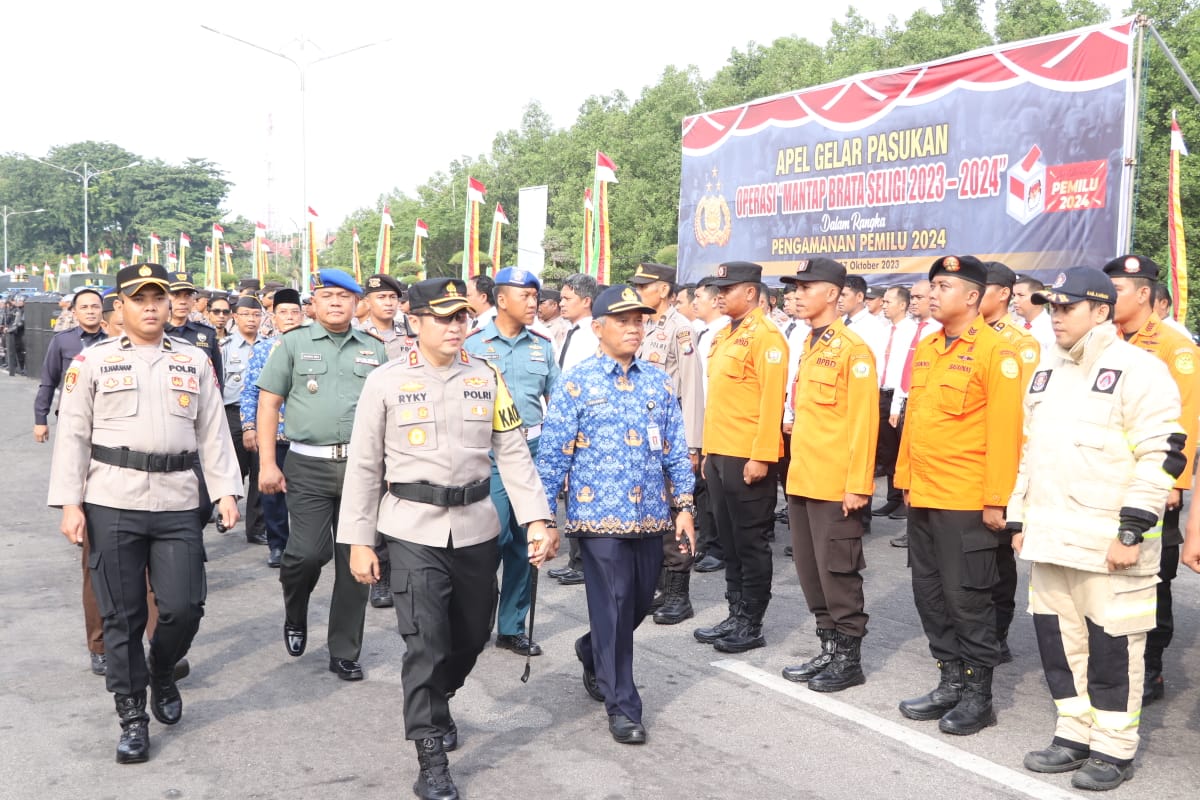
point(1014, 153)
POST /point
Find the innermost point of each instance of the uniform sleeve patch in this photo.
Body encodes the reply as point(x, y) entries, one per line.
point(505, 416)
point(861, 369)
point(71, 379)
point(1009, 368)
point(1185, 363)
point(1040, 381)
point(1106, 381)
point(774, 356)
point(1028, 355)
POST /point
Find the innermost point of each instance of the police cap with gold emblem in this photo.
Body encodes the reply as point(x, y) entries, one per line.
point(521, 278)
point(649, 272)
point(1132, 266)
point(969, 268)
point(617, 300)
point(734, 272)
point(179, 282)
point(439, 296)
point(335, 279)
point(999, 274)
point(818, 270)
point(1076, 284)
point(131, 279)
point(382, 283)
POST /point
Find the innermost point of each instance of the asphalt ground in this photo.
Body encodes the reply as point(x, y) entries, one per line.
point(258, 724)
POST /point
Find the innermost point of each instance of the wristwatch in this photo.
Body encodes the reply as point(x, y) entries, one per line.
point(1129, 537)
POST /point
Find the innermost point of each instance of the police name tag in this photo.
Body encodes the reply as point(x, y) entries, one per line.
point(654, 438)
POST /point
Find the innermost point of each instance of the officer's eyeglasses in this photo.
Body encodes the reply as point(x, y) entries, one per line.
point(460, 317)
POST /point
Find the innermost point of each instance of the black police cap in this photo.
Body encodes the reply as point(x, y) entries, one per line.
point(440, 296)
point(1132, 266)
point(825, 270)
point(969, 268)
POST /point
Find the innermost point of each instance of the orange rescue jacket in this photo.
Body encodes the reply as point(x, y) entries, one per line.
point(747, 376)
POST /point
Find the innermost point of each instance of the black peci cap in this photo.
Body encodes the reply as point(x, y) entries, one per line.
point(818, 270)
point(969, 268)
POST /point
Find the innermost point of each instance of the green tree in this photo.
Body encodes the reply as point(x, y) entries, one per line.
point(1026, 19)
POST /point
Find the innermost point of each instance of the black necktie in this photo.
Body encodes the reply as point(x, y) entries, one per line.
point(791, 327)
point(847, 319)
point(562, 354)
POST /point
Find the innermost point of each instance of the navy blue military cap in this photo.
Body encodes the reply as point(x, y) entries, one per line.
point(335, 279)
point(440, 296)
point(109, 301)
point(818, 270)
point(735, 272)
point(969, 268)
point(649, 272)
point(521, 278)
point(1076, 284)
point(1132, 266)
point(617, 300)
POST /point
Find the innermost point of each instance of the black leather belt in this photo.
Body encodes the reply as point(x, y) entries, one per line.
point(145, 462)
point(444, 496)
point(887, 391)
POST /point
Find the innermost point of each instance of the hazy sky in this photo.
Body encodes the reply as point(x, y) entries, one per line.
point(146, 76)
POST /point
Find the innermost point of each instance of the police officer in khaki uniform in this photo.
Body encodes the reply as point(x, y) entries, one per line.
point(668, 345)
point(319, 370)
point(424, 425)
point(138, 413)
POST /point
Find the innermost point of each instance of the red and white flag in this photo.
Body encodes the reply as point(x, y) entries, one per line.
point(386, 218)
point(218, 231)
point(312, 214)
point(228, 250)
point(154, 240)
point(422, 229)
point(185, 240)
point(500, 216)
point(136, 252)
point(606, 170)
point(475, 191)
point(260, 229)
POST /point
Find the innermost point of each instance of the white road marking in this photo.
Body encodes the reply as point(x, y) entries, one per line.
point(1022, 782)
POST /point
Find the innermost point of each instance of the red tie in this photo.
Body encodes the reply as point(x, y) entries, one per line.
point(1028, 326)
point(906, 375)
point(887, 354)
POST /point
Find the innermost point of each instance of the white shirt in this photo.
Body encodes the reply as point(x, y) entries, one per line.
point(483, 319)
point(1171, 323)
point(705, 333)
point(867, 325)
point(579, 343)
point(900, 337)
point(1043, 331)
point(930, 326)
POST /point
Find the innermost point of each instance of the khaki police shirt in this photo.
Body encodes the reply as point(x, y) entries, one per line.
point(155, 399)
point(669, 346)
point(320, 380)
point(416, 422)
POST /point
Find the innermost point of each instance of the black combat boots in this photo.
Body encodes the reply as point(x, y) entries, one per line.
point(974, 711)
point(725, 626)
point(943, 698)
point(434, 782)
point(165, 702)
point(810, 668)
point(678, 605)
point(134, 746)
point(846, 668)
point(747, 635)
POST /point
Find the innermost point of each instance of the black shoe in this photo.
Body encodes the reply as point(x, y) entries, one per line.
point(625, 730)
point(134, 744)
point(678, 606)
point(450, 738)
point(885, 509)
point(99, 663)
point(846, 668)
point(572, 577)
point(899, 513)
point(974, 711)
point(346, 668)
point(725, 626)
point(295, 638)
point(942, 699)
point(1100, 776)
point(558, 572)
point(1055, 758)
point(381, 591)
point(899, 541)
point(275, 557)
point(165, 702)
point(781, 516)
point(788, 551)
point(589, 676)
point(709, 563)
point(434, 781)
point(1153, 687)
point(182, 669)
point(256, 538)
point(519, 644)
point(748, 634)
point(802, 673)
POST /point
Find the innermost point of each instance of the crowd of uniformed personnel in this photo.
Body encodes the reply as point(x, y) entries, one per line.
point(412, 444)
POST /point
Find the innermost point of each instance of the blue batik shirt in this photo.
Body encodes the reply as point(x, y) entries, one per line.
point(599, 436)
point(254, 366)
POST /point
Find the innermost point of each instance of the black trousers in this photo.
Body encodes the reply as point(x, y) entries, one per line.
point(1004, 593)
point(248, 464)
point(953, 559)
point(123, 545)
point(707, 540)
point(744, 514)
point(1159, 639)
point(444, 600)
point(827, 551)
point(15, 346)
point(314, 492)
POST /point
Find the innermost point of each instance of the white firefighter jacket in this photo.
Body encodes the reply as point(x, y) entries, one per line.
point(1102, 439)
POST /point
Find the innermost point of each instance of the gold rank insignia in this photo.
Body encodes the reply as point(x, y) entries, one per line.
point(110, 382)
point(114, 359)
point(417, 437)
point(193, 384)
point(185, 400)
point(144, 271)
point(423, 412)
point(177, 381)
point(479, 411)
point(413, 358)
point(475, 382)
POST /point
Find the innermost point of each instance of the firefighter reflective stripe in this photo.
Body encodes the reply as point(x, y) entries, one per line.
point(1079, 706)
point(1141, 608)
point(1116, 720)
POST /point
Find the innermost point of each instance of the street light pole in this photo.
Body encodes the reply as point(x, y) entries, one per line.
point(85, 176)
point(8, 214)
point(302, 68)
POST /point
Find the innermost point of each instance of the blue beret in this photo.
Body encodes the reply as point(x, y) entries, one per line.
point(335, 278)
point(515, 276)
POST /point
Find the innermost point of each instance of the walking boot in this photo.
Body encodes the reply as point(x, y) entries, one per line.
point(748, 634)
point(381, 590)
point(434, 781)
point(678, 606)
point(165, 702)
point(846, 668)
point(814, 666)
point(1099, 775)
point(1152, 686)
point(725, 626)
point(943, 698)
point(974, 711)
point(1056, 758)
point(660, 591)
point(134, 745)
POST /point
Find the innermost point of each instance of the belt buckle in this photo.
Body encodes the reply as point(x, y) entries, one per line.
point(339, 451)
point(157, 462)
point(456, 495)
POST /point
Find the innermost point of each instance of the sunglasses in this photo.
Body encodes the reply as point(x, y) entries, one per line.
point(219, 311)
point(459, 317)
